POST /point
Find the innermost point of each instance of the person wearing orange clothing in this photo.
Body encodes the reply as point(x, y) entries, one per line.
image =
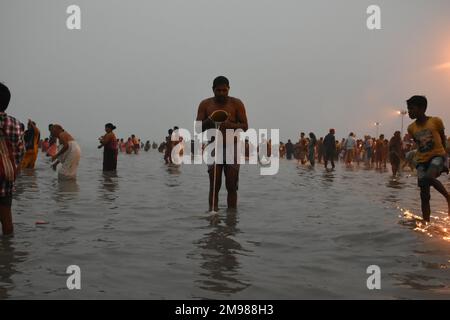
point(45, 145)
point(31, 137)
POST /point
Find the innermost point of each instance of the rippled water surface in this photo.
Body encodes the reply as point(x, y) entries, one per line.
point(145, 234)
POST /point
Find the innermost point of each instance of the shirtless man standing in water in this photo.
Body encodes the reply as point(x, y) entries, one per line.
point(237, 119)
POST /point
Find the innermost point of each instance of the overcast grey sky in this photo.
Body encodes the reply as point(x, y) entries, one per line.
point(297, 65)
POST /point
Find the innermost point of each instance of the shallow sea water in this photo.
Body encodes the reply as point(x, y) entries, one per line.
point(145, 234)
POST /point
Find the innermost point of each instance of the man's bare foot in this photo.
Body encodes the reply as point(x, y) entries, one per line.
point(216, 210)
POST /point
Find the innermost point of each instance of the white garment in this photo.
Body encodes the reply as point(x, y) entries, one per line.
point(350, 144)
point(69, 161)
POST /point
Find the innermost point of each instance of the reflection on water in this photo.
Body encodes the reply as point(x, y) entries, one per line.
point(418, 282)
point(65, 191)
point(288, 226)
point(28, 182)
point(327, 178)
point(173, 177)
point(395, 183)
point(173, 169)
point(220, 256)
point(439, 226)
point(9, 259)
point(108, 186)
point(110, 181)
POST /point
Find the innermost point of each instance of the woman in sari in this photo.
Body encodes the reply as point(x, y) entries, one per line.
point(31, 138)
point(312, 148)
point(110, 148)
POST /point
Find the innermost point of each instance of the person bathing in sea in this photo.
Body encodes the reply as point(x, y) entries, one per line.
point(68, 155)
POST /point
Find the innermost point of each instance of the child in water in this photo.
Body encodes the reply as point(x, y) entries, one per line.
point(431, 157)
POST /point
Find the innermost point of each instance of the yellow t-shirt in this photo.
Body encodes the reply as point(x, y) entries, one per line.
point(428, 139)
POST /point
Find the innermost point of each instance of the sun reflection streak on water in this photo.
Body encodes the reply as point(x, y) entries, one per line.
point(438, 227)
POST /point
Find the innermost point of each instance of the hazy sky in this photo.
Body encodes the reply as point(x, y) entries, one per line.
point(297, 65)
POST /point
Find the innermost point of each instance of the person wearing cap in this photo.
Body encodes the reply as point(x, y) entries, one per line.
point(110, 148)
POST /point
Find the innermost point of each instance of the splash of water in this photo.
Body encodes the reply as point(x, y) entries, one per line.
point(438, 227)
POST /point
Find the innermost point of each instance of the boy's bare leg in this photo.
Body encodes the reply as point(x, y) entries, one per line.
point(425, 202)
point(433, 181)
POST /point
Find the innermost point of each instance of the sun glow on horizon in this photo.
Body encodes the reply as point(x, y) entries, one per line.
point(443, 66)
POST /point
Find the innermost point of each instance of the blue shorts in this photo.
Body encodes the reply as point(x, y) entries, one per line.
point(425, 170)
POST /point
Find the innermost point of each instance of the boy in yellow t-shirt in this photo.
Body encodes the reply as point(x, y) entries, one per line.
point(431, 157)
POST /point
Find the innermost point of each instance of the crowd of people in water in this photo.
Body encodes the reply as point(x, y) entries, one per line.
point(369, 151)
point(416, 150)
point(373, 152)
